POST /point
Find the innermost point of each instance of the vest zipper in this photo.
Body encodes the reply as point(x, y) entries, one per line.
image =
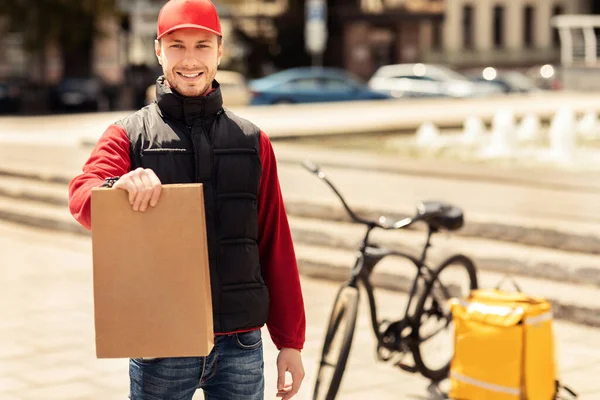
point(196, 170)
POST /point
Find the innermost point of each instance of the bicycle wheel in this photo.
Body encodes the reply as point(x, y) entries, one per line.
point(336, 347)
point(454, 278)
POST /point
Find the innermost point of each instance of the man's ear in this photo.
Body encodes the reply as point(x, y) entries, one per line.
point(158, 51)
point(220, 52)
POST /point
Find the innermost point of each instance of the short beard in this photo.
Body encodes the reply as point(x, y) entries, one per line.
point(196, 93)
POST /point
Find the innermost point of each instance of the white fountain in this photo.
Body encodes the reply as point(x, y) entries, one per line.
point(428, 135)
point(588, 127)
point(504, 137)
point(563, 135)
point(473, 130)
point(530, 129)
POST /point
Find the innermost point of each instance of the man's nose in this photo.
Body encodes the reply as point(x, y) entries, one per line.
point(190, 60)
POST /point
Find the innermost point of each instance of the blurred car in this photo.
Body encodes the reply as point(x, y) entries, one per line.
point(510, 81)
point(310, 85)
point(10, 98)
point(547, 76)
point(233, 87)
point(77, 94)
point(426, 80)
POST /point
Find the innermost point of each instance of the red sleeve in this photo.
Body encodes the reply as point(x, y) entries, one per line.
point(109, 158)
point(287, 321)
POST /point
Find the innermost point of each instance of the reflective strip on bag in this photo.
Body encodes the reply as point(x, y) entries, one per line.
point(500, 310)
point(485, 385)
point(539, 318)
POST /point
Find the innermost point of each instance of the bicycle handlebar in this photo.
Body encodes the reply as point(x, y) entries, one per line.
point(383, 222)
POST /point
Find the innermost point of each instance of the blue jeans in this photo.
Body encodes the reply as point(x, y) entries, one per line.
point(233, 370)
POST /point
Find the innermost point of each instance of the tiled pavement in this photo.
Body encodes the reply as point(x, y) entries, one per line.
point(47, 338)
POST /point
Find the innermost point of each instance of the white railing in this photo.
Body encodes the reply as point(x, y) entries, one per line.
point(422, 6)
point(578, 39)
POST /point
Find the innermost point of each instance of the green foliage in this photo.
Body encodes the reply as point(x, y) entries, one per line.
point(70, 23)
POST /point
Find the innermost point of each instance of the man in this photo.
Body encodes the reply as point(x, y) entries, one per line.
point(186, 136)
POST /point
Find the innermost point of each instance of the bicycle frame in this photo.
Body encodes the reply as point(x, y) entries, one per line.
point(369, 256)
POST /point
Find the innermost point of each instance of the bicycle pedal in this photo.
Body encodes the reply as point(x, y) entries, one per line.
point(407, 368)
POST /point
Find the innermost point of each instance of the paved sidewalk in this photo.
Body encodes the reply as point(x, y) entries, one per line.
point(47, 340)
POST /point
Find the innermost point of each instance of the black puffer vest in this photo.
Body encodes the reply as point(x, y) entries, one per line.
point(187, 140)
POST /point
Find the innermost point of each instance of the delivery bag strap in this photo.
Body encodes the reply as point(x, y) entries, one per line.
point(559, 388)
point(511, 280)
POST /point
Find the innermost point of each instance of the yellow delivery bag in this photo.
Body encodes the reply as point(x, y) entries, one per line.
point(504, 347)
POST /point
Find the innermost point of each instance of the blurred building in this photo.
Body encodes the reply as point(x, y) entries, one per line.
point(362, 34)
point(366, 34)
point(500, 32)
point(13, 59)
point(266, 35)
point(123, 57)
point(247, 25)
point(128, 40)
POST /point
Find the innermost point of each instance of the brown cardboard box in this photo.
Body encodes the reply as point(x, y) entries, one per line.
point(151, 276)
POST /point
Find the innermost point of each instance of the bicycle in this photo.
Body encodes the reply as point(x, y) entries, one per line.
point(394, 339)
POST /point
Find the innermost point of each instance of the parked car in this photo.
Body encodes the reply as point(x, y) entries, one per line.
point(77, 94)
point(509, 81)
point(427, 80)
point(10, 98)
point(233, 87)
point(547, 76)
point(310, 85)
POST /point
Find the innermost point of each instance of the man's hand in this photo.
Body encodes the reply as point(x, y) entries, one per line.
point(143, 187)
point(289, 360)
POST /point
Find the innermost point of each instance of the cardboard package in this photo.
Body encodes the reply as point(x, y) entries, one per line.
point(151, 276)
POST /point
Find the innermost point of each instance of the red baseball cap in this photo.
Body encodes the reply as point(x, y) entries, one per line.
point(180, 14)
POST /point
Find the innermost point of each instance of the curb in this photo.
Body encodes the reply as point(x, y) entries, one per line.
point(35, 176)
point(44, 223)
point(550, 271)
point(35, 197)
point(539, 237)
point(441, 173)
point(576, 314)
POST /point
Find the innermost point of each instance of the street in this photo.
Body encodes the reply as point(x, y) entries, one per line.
point(47, 334)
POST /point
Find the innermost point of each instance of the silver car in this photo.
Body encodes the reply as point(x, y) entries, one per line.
point(427, 80)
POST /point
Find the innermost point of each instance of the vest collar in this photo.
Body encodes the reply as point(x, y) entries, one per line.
point(188, 109)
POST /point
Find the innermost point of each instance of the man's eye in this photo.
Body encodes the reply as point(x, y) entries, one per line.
point(177, 46)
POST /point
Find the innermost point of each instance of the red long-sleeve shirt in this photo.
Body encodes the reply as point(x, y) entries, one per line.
point(286, 322)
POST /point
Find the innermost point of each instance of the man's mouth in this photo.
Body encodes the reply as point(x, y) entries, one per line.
point(190, 76)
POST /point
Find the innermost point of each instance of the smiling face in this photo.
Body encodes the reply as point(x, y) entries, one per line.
point(189, 59)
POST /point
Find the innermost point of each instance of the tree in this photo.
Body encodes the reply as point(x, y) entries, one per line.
point(71, 24)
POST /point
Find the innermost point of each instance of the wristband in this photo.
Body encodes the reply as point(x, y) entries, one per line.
point(109, 182)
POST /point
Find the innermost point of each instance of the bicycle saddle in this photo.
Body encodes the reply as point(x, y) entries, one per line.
point(440, 215)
